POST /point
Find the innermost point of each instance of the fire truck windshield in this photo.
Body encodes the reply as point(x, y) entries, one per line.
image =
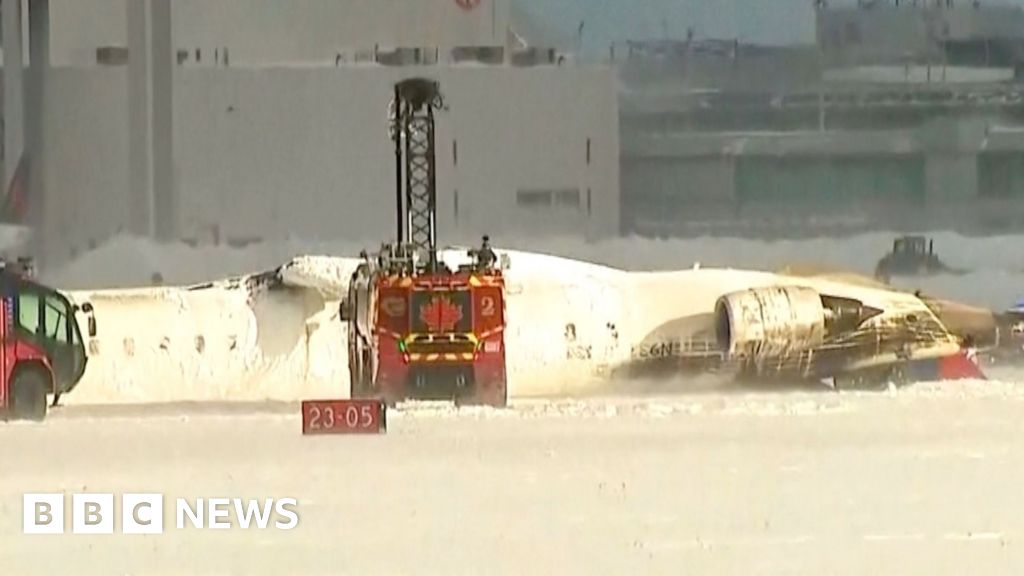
point(46, 318)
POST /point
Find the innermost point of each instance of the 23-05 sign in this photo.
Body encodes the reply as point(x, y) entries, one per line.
point(344, 417)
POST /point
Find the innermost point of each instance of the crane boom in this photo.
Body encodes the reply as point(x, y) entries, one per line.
point(412, 131)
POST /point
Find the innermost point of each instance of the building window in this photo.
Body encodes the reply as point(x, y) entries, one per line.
point(533, 198)
point(567, 198)
point(545, 199)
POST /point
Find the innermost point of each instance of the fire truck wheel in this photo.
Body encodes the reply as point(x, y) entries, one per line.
point(28, 394)
point(362, 382)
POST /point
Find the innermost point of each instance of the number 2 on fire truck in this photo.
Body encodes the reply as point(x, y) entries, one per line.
point(487, 306)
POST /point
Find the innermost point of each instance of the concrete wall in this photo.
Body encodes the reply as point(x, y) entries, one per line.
point(86, 123)
point(264, 153)
point(268, 31)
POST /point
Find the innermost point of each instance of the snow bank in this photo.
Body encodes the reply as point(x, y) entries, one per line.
point(324, 273)
point(14, 240)
point(996, 262)
point(126, 261)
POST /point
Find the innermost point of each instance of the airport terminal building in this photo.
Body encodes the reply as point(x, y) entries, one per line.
point(903, 115)
point(249, 120)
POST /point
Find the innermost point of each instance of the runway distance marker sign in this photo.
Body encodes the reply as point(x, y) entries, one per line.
point(344, 417)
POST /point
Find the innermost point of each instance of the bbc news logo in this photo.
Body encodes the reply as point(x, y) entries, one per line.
point(144, 513)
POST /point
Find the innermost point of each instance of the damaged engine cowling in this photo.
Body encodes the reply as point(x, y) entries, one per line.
point(777, 321)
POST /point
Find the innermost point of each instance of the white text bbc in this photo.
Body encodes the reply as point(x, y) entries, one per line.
point(144, 513)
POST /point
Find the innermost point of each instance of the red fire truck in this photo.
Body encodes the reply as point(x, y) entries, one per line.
point(427, 336)
point(417, 328)
point(43, 352)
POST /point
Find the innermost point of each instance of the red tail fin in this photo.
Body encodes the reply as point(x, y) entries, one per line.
point(960, 366)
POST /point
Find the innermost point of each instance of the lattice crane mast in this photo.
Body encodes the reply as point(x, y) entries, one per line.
point(411, 127)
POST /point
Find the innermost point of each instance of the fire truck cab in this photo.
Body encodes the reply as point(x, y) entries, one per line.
point(42, 352)
point(427, 336)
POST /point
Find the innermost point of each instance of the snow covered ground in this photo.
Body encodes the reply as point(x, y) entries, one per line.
point(923, 480)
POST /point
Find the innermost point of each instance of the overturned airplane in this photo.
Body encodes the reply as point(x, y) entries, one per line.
point(572, 328)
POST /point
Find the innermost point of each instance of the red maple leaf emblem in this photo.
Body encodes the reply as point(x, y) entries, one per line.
point(440, 314)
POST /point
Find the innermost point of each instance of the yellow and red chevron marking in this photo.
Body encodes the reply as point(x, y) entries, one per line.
point(395, 282)
point(436, 357)
point(488, 333)
point(424, 338)
point(491, 281)
point(389, 334)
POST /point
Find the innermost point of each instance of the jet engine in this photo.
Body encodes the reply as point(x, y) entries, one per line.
point(774, 322)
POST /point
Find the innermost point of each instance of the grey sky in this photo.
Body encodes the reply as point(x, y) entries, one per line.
point(761, 21)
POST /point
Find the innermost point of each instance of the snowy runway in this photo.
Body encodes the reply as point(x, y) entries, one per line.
point(923, 480)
